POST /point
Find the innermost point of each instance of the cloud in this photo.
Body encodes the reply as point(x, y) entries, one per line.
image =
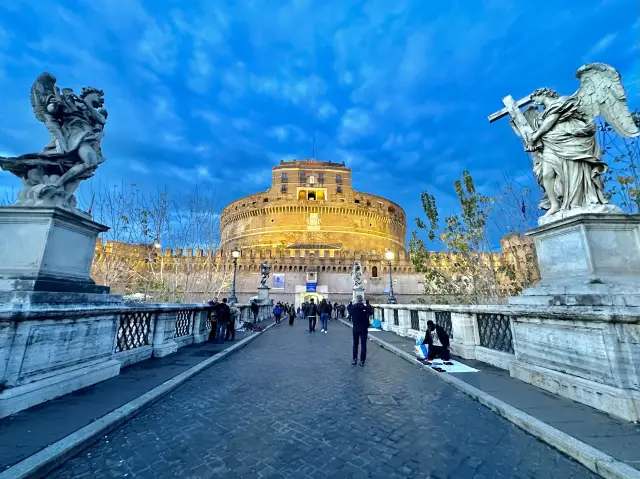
point(207, 92)
point(601, 45)
point(355, 124)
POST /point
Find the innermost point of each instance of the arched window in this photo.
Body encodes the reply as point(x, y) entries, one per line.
point(374, 272)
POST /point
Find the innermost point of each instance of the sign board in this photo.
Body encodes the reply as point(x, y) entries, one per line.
point(311, 287)
point(278, 281)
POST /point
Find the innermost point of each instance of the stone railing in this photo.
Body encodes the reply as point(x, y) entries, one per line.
point(590, 355)
point(48, 352)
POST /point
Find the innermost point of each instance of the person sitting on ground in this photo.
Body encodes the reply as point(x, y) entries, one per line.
point(438, 341)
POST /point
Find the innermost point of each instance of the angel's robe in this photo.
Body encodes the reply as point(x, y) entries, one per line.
point(571, 150)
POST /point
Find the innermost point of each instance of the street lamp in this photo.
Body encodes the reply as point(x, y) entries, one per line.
point(391, 299)
point(236, 254)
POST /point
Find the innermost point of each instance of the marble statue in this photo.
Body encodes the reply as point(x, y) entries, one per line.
point(356, 275)
point(76, 125)
point(264, 274)
point(562, 139)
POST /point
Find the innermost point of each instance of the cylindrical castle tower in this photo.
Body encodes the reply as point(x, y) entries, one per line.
point(311, 205)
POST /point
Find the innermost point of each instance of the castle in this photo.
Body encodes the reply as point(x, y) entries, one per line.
point(310, 225)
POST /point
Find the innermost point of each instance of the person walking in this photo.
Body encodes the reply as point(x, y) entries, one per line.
point(213, 318)
point(292, 314)
point(224, 316)
point(312, 314)
point(324, 310)
point(231, 326)
point(277, 312)
point(360, 319)
point(255, 309)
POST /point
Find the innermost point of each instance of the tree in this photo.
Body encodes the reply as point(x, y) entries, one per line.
point(622, 154)
point(130, 257)
point(467, 271)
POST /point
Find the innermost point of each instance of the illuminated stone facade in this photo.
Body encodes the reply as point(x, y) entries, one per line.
point(311, 221)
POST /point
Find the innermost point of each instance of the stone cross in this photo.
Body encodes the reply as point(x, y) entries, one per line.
point(512, 108)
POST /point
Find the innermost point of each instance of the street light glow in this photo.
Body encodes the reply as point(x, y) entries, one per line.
point(388, 255)
point(235, 253)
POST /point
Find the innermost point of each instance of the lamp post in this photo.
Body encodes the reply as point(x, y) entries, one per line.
point(236, 254)
point(391, 299)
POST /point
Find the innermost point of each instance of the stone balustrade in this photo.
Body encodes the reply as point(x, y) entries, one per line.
point(48, 352)
point(590, 355)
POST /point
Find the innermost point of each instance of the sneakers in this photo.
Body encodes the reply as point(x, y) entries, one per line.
point(362, 363)
point(325, 331)
point(322, 331)
point(354, 362)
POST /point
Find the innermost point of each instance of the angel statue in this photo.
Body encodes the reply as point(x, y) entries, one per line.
point(264, 274)
point(76, 124)
point(356, 275)
point(562, 139)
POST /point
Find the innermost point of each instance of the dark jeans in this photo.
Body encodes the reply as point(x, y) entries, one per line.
point(255, 316)
point(231, 331)
point(438, 351)
point(362, 338)
point(312, 323)
point(221, 331)
point(278, 318)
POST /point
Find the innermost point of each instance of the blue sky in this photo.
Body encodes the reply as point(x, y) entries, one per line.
point(200, 91)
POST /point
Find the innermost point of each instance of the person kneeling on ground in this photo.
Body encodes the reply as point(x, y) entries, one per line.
point(438, 340)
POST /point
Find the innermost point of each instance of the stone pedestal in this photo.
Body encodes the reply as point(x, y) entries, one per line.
point(46, 256)
point(587, 260)
point(263, 293)
point(359, 291)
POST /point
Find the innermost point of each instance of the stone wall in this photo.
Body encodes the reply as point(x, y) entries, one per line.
point(48, 352)
point(589, 355)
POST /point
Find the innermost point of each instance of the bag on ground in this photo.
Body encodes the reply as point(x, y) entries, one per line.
point(422, 351)
point(377, 324)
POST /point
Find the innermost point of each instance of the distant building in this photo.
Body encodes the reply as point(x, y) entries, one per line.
point(311, 225)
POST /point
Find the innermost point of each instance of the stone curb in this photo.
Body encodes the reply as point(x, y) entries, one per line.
point(590, 457)
point(44, 461)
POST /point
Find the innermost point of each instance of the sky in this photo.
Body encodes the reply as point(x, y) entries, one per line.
point(213, 93)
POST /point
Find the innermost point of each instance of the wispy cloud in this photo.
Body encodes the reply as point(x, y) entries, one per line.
point(207, 92)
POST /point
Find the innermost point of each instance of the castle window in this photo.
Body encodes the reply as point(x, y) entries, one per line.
point(284, 188)
point(392, 209)
point(358, 202)
point(284, 178)
point(339, 179)
point(273, 220)
point(374, 272)
point(303, 177)
point(368, 203)
point(338, 189)
point(266, 200)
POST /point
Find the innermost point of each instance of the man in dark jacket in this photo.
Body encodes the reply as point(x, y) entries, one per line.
point(438, 340)
point(360, 318)
point(213, 318)
point(231, 327)
point(255, 309)
point(312, 314)
point(224, 316)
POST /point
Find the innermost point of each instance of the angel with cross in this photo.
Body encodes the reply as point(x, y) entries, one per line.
point(562, 138)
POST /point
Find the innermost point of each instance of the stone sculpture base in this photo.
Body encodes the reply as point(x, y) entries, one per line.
point(358, 292)
point(46, 256)
point(587, 260)
point(263, 293)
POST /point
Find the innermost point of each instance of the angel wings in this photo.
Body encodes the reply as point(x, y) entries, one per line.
point(43, 93)
point(601, 93)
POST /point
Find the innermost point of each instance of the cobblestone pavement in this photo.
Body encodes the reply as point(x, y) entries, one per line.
point(292, 405)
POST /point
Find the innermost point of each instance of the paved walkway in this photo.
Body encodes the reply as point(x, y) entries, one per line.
point(27, 432)
point(620, 439)
point(292, 405)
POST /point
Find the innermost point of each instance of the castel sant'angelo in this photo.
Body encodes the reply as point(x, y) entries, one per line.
point(311, 225)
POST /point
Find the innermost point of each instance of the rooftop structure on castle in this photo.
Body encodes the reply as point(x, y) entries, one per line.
point(311, 205)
